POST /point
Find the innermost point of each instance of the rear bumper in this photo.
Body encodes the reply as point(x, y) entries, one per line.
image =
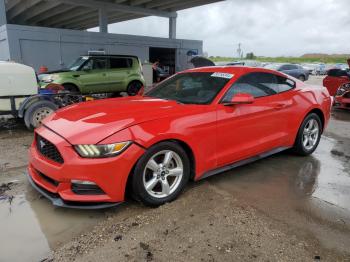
point(55, 180)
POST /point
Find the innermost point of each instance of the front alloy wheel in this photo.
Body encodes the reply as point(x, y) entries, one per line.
point(161, 174)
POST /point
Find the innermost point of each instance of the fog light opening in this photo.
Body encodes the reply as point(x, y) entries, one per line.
point(83, 187)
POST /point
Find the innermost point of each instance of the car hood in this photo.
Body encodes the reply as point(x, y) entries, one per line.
point(91, 122)
point(55, 72)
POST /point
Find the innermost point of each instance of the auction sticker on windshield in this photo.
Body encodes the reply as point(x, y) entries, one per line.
point(222, 75)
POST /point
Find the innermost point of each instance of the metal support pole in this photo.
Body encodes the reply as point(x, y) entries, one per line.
point(172, 27)
point(103, 20)
point(3, 19)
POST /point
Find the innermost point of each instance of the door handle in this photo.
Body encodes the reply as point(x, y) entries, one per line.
point(76, 75)
point(104, 74)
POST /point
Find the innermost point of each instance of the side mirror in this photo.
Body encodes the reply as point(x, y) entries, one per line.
point(241, 98)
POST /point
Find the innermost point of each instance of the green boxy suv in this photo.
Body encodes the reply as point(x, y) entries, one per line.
point(99, 74)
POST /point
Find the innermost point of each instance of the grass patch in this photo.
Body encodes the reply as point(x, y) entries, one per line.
point(284, 59)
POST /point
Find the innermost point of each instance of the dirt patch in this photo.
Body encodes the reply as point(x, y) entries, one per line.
point(194, 228)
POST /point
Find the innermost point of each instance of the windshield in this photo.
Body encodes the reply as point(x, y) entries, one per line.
point(191, 88)
point(77, 63)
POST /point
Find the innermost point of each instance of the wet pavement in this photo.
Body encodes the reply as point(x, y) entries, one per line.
point(310, 196)
point(31, 227)
point(311, 193)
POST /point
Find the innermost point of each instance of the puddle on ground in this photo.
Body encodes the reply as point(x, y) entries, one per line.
point(31, 228)
point(311, 193)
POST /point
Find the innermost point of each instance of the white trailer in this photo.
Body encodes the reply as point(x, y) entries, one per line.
point(19, 94)
point(17, 82)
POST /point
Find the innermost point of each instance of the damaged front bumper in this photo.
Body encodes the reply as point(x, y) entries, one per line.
point(59, 202)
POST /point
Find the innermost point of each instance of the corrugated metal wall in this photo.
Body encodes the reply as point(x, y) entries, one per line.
point(56, 48)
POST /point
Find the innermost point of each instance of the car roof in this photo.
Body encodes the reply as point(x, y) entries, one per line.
point(239, 70)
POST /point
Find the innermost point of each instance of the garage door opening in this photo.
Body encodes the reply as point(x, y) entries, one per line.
point(166, 58)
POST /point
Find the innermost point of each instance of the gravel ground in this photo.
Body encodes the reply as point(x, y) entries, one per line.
point(194, 228)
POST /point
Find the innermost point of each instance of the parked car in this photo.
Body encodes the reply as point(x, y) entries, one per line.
point(294, 70)
point(334, 79)
point(342, 97)
point(161, 73)
point(341, 66)
point(310, 67)
point(98, 74)
point(195, 124)
point(250, 63)
point(320, 69)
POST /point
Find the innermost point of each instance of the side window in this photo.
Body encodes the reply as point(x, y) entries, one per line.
point(88, 65)
point(120, 62)
point(284, 84)
point(284, 67)
point(293, 67)
point(259, 85)
point(99, 63)
point(256, 84)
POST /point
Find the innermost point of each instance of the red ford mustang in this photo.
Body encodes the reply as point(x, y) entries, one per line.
point(337, 82)
point(195, 124)
point(342, 97)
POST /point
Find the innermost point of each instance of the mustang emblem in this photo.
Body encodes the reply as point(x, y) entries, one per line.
point(42, 144)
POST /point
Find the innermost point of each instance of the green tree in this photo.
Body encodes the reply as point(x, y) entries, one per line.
point(250, 56)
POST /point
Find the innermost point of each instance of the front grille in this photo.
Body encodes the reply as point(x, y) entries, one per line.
point(48, 179)
point(47, 149)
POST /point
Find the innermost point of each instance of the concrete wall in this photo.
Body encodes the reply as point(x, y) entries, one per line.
point(4, 45)
point(56, 48)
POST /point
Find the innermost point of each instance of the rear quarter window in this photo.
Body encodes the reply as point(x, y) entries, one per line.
point(259, 84)
point(120, 62)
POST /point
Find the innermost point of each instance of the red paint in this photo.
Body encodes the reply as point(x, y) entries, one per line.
point(343, 101)
point(332, 83)
point(216, 134)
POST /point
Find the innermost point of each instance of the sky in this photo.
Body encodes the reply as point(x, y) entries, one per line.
point(264, 27)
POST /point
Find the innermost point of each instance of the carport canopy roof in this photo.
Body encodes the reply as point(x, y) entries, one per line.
point(84, 14)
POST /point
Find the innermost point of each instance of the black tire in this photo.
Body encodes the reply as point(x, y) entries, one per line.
point(299, 148)
point(29, 115)
point(302, 78)
point(71, 88)
point(133, 88)
point(138, 188)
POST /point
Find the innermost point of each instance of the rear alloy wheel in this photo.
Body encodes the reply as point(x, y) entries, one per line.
point(309, 135)
point(161, 174)
point(133, 88)
point(301, 78)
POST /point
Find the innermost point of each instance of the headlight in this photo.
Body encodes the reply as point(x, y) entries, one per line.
point(49, 78)
point(99, 151)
